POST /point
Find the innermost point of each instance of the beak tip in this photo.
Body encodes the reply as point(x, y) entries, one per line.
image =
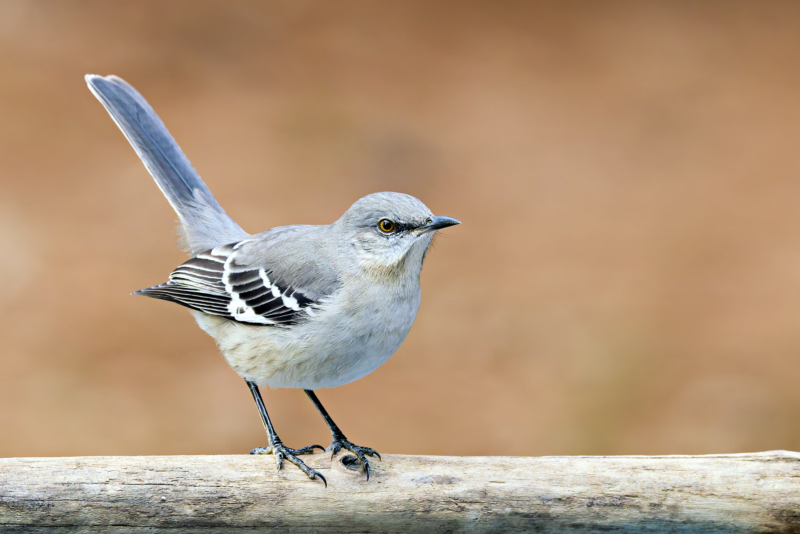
point(443, 222)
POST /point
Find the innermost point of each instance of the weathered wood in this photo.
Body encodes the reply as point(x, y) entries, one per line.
point(723, 493)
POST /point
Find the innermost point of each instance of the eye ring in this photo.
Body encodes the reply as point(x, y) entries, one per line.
point(387, 226)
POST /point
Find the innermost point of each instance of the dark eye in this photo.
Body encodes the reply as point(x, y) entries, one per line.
point(386, 226)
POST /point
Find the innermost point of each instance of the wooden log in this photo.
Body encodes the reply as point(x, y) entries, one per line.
point(721, 494)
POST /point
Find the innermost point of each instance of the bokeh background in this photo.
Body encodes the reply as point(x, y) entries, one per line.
point(626, 280)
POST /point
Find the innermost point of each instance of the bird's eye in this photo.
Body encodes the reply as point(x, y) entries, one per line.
point(386, 226)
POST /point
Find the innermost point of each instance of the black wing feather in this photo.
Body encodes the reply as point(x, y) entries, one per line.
point(214, 283)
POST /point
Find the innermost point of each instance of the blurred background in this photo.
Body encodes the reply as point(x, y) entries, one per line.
point(626, 279)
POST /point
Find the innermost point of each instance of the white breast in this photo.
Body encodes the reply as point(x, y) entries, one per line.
point(348, 338)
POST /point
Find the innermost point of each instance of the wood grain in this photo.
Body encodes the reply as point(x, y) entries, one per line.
point(757, 492)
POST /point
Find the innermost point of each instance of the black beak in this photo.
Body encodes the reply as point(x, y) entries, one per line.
point(437, 223)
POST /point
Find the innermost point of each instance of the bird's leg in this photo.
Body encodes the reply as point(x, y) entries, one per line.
point(276, 446)
point(340, 442)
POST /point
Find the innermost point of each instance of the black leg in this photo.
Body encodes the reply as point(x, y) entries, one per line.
point(276, 446)
point(340, 442)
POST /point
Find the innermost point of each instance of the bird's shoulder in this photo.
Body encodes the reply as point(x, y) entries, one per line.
point(298, 256)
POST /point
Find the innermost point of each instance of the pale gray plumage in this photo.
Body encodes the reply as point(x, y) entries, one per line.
point(296, 306)
point(204, 223)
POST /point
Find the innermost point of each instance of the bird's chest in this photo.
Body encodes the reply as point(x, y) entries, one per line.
point(370, 326)
point(382, 316)
point(353, 335)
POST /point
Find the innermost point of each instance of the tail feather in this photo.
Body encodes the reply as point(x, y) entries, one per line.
point(204, 224)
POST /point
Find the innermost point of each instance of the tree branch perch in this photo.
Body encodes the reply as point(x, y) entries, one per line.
point(721, 494)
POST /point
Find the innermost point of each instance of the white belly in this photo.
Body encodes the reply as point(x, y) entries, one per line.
point(340, 344)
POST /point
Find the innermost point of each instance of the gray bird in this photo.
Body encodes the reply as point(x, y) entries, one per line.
point(296, 306)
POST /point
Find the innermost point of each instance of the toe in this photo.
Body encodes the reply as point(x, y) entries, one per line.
point(371, 452)
point(364, 463)
point(334, 448)
point(361, 454)
point(308, 450)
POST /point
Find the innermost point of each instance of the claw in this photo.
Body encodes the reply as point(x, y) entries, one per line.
point(340, 442)
point(304, 450)
point(334, 448)
point(282, 452)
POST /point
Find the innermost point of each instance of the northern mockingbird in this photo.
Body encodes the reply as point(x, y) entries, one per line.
point(294, 307)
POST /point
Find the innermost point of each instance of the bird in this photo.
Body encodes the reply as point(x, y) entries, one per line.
point(301, 306)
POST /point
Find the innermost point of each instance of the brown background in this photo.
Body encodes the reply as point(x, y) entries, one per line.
point(626, 280)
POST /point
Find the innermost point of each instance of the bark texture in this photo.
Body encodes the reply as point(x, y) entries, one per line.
point(721, 494)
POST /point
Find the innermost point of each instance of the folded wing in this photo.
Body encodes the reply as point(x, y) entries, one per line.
point(214, 283)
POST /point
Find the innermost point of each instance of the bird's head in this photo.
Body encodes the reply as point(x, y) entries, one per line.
point(391, 231)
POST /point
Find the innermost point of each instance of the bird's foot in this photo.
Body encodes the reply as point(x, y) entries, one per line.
point(340, 442)
point(282, 452)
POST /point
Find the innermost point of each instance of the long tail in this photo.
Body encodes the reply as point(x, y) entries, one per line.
point(204, 224)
